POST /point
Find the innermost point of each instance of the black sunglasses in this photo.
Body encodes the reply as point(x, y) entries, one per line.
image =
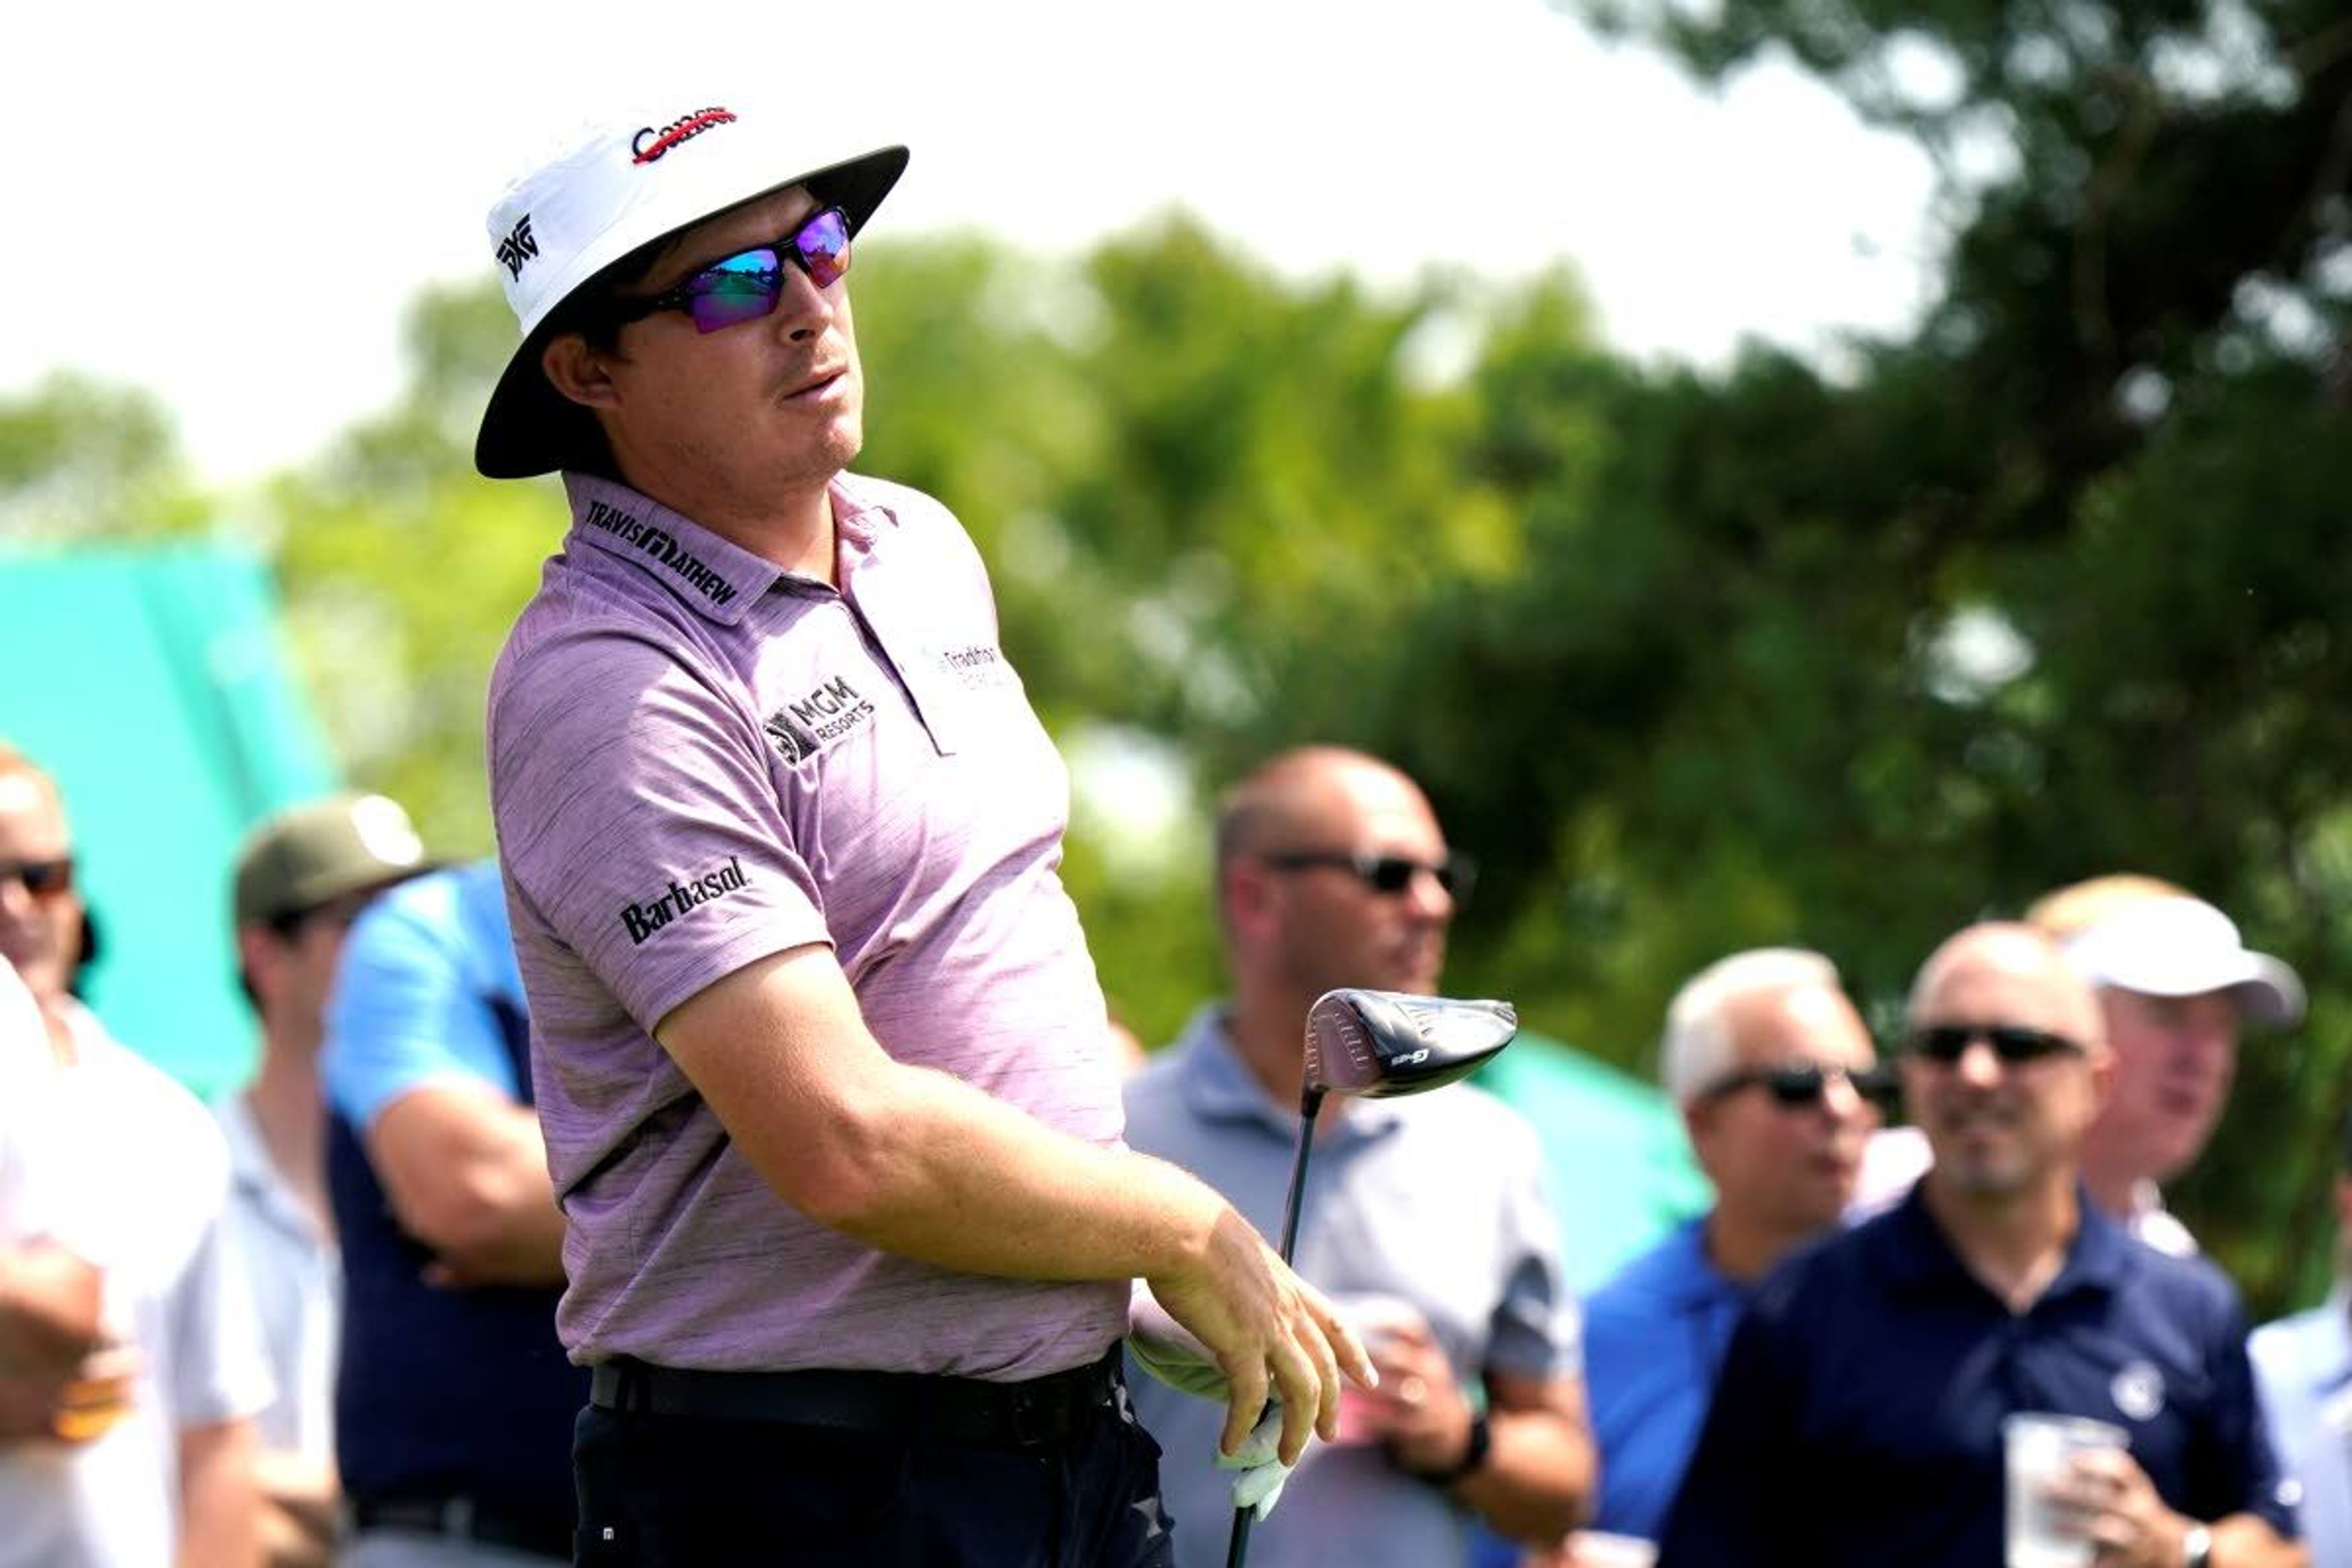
point(1390, 874)
point(745, 286)
point(2012, 1043)
point(42, 878)
point(1800, 1084)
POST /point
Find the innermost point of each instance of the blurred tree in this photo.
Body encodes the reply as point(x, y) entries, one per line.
point(81, 460)
point(2051, 588)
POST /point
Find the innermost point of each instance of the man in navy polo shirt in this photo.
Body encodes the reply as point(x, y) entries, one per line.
point(454, 1401)
point(1858, 1419)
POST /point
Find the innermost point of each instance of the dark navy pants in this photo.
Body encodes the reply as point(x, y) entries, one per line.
point(704, 1493)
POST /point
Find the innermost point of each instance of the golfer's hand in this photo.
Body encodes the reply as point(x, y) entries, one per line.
point(1269, 1332)
point(2108, 1501)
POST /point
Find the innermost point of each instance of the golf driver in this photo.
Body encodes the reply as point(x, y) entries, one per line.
point(1377, 1045)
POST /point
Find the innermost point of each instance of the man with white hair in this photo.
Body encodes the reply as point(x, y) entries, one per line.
point(1779, 1089)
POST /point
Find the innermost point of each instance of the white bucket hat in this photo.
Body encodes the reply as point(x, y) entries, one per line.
point(2185, 947)
point(620, 184)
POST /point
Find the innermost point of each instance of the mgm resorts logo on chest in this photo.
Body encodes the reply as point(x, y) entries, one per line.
point(803, 729)
point(642, 920)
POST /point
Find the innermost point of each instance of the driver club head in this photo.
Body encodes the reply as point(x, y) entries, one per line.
point(1377, 1044)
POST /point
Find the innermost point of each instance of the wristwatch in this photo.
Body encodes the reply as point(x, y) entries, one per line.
point(2197, 1548)
point(1473, 1454)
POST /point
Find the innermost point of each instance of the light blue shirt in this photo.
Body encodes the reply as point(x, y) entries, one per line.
point(2304, 1364)
point(1654, 1341)
point(396, 1022)
point(1437, 1201)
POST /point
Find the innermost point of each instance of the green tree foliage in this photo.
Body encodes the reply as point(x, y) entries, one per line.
point(2054, 587)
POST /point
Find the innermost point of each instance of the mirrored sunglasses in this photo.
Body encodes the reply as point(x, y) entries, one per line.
point(746, 286)
point(1801, 1084)
point(2012, 1043)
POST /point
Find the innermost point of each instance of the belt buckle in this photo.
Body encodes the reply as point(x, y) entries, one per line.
point(1028, 1418)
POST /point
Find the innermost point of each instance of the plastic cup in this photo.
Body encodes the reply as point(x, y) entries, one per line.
point(1373, 1315)
point(1599, 1549)
point(2040, 1450)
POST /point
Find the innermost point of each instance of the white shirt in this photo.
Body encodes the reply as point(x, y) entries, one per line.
point(2304, 1364)
point(142, 1179)
point(297, 1277)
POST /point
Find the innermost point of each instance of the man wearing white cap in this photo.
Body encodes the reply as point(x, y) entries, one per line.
point(2176, 983)
point(824, 1070)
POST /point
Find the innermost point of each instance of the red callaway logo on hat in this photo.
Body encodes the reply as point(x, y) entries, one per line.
point(650, 143)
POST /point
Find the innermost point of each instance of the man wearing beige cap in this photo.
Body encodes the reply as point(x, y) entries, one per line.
point(2176, 984)
point(825, 1069)
point(302, 876)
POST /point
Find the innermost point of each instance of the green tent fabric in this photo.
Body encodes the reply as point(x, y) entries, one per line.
point(1618, 1167)
point(152, 685)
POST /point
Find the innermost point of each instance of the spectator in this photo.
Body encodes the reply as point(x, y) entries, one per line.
point(302, 876)
point(454, 1401)
point(1888, 1355)
point(144, 1453)
point(2304, 1364)
point(1428, 1214)
point(1779, 1088)
point(823, 1067)
point(2175, 984)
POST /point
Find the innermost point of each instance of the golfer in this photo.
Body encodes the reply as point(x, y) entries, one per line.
point(822, 1064)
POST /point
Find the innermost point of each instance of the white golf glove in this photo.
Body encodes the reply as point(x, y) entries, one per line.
point(1261, 1473)
point(1161, 1347)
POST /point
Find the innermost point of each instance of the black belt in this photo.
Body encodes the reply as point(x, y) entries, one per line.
point(466, 1519)
point(963, 1410)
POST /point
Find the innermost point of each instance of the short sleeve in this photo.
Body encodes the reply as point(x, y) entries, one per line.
point(638, 821)
point(1537, 1330)
point(407, 1009)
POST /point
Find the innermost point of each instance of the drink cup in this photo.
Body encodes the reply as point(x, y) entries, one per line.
point(1599, 1549)
point(2040, 1450)
point(1373, 1316)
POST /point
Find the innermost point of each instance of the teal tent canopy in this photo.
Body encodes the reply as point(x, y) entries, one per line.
point(1617, 1165)
point(152, 685)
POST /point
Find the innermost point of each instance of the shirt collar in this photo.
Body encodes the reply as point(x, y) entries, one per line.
point(718, 580)
point(252, 1170)
point(1910, 1247)
point(1693, 1279)
point(1220, 1087)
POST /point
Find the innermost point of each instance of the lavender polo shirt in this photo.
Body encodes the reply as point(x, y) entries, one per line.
point(698, 760)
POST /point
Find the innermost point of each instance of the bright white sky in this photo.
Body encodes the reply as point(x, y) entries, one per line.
point(232, 203)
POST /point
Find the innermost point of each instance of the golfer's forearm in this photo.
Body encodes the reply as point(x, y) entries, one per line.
point(2244, 1541)
point(933, 1169)
point(1536, 1483)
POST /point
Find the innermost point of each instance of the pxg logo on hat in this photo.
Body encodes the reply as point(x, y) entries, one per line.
point(615, 187)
